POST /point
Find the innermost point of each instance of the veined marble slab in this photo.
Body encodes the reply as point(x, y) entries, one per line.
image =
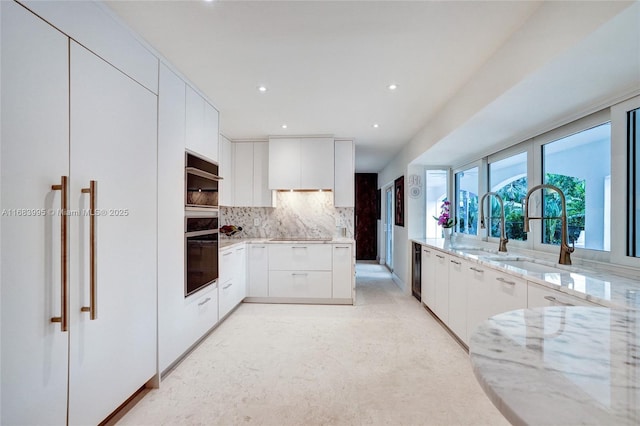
point(561, 365)
point(587, 282)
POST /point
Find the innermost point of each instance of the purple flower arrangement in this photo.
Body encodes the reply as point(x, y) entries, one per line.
point(445, 217)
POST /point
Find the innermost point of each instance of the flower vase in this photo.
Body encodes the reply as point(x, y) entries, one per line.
point(446, 234)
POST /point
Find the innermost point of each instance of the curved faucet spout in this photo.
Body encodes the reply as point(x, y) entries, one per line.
point(565, 250)
point(503, 237)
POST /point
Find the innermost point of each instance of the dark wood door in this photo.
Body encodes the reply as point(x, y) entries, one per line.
point(367, 213)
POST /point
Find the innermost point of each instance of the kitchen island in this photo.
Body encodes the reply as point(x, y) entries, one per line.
point(561, 365)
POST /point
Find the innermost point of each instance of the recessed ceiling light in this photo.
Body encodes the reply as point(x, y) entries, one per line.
point(392, 86)
point(284, 126)
point(376, 125)
point(262, 89)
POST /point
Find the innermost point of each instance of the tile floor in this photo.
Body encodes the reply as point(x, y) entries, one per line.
point(384, 361)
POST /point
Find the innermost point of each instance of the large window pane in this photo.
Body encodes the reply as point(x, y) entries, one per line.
point(435, 194)
point(508, 177)
point(467, 201)
point(580, 165)
point(633, 126)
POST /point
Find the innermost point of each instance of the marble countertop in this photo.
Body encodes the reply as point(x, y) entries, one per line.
point(226, 243)
point(561, 365)
point(590, 283)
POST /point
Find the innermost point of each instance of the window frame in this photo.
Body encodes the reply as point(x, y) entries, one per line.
point(619, 183)
point(481, 164)
point(523, 147)
point(592, 120)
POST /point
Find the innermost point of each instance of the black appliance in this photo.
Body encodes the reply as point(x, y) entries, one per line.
point(201, 251)
point(201, 181)
point(416, 272)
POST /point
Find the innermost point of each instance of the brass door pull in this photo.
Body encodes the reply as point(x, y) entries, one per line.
point(93, 278)
point(63, 319)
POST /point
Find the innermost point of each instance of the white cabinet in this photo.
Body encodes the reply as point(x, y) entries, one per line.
point(343, 272)
point(201, 119)
point(257, 270)
point(226, 171)
point(492, 292)
point(539, 296)
point(427, 277)
point(344, 185)
point(232, 282)
point(84, 119)
point(250, 174)
point(301, 163)
point(441, 281)
point(300, 271)
point(458, 297)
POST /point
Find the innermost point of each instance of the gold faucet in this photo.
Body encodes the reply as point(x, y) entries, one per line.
point(565, 250)
point(503, 238)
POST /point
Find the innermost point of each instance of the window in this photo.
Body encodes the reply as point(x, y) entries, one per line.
point(435, 193)
point(580, 165)
point(467, 201)
point(508, 178)
point(633, 148)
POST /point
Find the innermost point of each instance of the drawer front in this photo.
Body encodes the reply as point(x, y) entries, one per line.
point(538, 296)
point(300, 284)
point(227, 258)
point(295, 257)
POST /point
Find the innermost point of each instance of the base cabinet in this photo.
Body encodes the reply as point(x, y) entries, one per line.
point(342, 274)
point(458, 297)
point(257, 270)
point(233, 276)
point(427, 277)
point(539, 296)
point(441, 284)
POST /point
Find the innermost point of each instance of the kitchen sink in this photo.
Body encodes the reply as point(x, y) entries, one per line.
point(530, 266)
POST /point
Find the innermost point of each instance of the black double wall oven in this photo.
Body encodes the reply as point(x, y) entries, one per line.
point(201, 224)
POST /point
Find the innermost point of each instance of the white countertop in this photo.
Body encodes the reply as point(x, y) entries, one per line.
point(226, 243)
point(561, 365)
point(599, 286)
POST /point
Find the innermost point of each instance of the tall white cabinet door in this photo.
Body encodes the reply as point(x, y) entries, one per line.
point(173, 341)
point(258, 271)
point(243, 174)
point(316, 163)
point(113, 141)
point(35, 149)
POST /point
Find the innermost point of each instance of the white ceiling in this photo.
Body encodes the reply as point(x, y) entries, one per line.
point(327, 64)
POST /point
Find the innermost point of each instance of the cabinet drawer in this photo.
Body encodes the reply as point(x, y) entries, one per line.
point(538, 296)
point(295, 257)
point(226, 262)
point(300, 284)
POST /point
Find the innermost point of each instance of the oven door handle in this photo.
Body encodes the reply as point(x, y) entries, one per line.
point(200, 233)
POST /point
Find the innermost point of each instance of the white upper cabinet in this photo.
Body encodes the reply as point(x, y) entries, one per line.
point(250, 174)
point(301, 163)
point(201, 133)
point(284, 163)
point(344, 186)
point(243, 174)
point(316, 163)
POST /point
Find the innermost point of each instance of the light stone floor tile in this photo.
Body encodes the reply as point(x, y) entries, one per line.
point(384, 361)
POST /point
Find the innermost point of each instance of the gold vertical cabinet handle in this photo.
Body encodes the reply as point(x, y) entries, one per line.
point(63, 319)
point(93, 278)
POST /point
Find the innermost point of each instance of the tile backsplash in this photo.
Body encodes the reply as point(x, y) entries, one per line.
point(297, 215)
